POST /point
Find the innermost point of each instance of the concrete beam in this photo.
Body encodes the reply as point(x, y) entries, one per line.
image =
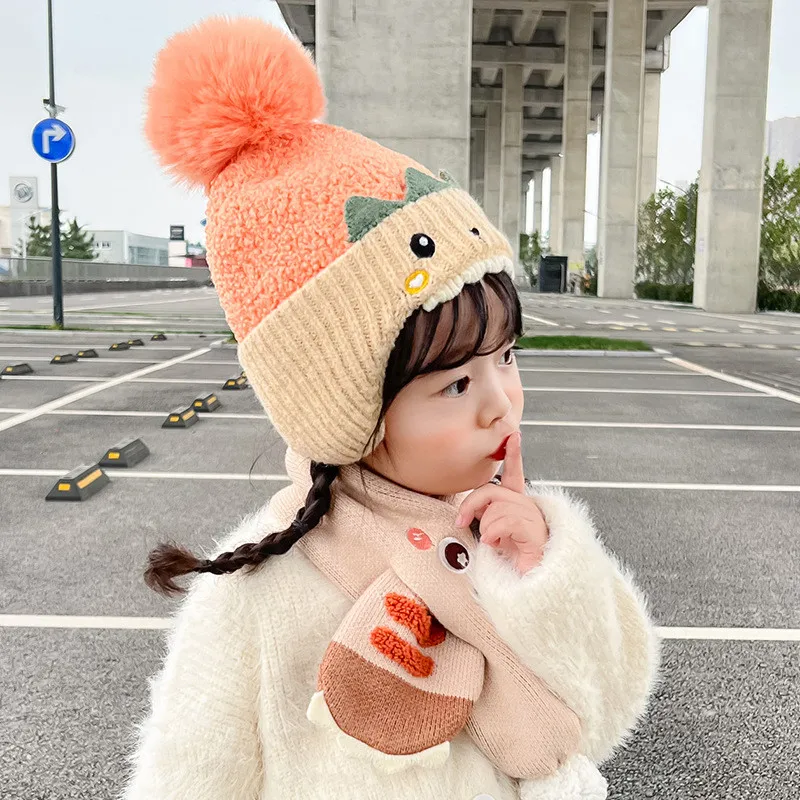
point(482, 21)
point(536, 164)
point(524, 25)
point(545, 57)
point(298, 18)
point(538, 127)
point(538, 149)
point(532, 96)
point(661, 23)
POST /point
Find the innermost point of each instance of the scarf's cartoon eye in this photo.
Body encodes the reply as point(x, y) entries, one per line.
point(475, 232)
point(454, 555)
point(422, 246)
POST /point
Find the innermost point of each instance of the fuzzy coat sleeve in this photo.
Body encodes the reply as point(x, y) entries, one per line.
point(201, 739)
point(578, 621)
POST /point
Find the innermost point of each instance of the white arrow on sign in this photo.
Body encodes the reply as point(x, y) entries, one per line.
point(56, 133)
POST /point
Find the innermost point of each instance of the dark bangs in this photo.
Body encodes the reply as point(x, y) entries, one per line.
point(482, 318)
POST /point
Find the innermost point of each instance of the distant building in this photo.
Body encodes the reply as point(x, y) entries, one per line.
point(24, 203)
point(783, 141)
point(124, 247)
point(13, 225)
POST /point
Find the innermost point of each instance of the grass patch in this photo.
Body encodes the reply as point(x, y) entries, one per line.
point(579, 343)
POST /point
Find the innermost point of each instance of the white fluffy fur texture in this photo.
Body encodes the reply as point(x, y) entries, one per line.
point(578, 779)
point(578, 621)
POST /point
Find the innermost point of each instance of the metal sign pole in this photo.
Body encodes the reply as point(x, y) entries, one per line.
point(55, 219)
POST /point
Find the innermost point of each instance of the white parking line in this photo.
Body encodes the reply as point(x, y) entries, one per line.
point(90, 390)
point(540, 319)
point(131, 473)
point(104, 343)
point(80, 412)
point(244, 476)
point(679, 373)
point(758, 387)
point(123, 361)
point(732, 634)
point(130, 305)
point(584, 390)
point(84, 379)
point(539, 423)
point(165, 623)
point(661, 426)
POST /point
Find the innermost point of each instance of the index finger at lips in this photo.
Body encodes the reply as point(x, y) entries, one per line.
point(513, 470)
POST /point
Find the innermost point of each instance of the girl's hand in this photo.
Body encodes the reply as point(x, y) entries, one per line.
point(510, 521)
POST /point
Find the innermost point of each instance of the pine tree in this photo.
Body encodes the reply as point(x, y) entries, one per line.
point(75, 241)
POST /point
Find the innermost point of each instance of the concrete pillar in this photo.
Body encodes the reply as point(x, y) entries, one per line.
point(648, 148)
point(403, 84)
point(538, 177)
point(554, 234)
point(523, 205)
point(577, 93)
point(731, 175)
point(477, 160)
point(492, 164)
point(512, 154)
point(619, 182)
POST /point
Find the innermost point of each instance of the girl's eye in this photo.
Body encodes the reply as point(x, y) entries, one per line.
point(422, 246)
point(463, 383)
point(508, 357)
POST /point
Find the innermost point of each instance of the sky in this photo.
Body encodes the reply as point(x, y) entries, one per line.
point(103, 56)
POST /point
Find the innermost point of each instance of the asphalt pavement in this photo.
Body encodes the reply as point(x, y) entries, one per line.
point(687, 458)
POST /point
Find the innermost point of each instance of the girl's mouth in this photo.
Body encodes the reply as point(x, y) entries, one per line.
point(500, 453)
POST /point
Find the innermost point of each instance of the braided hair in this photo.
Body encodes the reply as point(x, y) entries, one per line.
point(168, 561)
point(414, 354)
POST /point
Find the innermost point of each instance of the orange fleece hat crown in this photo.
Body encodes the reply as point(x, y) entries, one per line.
point(230, 107)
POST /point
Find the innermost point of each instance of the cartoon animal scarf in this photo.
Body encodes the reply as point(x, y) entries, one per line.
point(416, 660)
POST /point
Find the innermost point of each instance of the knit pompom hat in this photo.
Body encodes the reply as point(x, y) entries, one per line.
point(321, 242)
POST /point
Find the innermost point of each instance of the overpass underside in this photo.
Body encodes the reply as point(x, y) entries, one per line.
point(498, 91)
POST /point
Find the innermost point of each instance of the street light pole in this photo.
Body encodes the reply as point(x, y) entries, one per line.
point(55, 220)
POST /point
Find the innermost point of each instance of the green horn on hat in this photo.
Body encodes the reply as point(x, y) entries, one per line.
point(362, 214)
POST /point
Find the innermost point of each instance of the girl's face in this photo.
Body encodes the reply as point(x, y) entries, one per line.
point(443, 427)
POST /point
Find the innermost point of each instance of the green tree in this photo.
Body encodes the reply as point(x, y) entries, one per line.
point(666, 237)
point(38, 243)
point(779, 258)
point(530, 250)
point(75, 241)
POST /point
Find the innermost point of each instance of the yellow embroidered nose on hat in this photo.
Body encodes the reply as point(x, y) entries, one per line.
point(321, 242)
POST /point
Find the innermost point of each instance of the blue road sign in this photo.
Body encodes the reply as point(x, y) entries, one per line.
point(53, 140)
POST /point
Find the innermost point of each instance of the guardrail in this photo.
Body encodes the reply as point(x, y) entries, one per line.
point(40, 269)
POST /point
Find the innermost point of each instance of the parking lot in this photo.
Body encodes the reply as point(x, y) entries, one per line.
point(693, 477)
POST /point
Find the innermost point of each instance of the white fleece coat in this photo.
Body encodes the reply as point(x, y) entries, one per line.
point(228, 718)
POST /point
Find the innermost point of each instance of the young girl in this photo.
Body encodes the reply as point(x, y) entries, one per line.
point(416, 630)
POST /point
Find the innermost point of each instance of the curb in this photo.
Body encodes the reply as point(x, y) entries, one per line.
point(594, 353)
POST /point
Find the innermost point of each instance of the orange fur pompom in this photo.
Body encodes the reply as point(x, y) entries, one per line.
point(222, 86)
